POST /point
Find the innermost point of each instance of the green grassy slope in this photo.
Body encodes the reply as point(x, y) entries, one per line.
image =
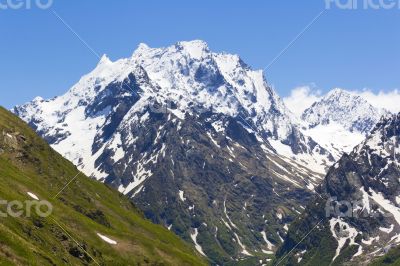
point(392, 258)
point(84, 208)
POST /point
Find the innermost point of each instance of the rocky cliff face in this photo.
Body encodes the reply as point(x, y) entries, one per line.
point(357, 217)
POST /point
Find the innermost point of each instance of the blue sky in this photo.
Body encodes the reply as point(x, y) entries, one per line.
point(352, 49)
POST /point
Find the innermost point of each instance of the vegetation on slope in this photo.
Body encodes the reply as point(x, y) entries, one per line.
point(82, 209)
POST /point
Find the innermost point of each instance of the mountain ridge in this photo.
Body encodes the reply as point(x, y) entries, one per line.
point(250, 97)
point(358, 216)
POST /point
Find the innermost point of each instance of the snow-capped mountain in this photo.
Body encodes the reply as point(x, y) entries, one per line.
point(185, 78)
point(357, 216)
point(340, 120)
point(197, 139)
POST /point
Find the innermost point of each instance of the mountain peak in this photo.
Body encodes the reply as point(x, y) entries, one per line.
point(345, 108)
point(143, 45)
point(337, 91)
point(104, 60)
point(193, 43)
point(346, 97)
point(141, 48)
point(38, 99)
point(196, 48)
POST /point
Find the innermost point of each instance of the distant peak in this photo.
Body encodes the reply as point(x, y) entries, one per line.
point(349, 96)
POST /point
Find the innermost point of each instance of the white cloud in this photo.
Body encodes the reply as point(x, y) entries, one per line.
point(389, 100)
point(301, 98)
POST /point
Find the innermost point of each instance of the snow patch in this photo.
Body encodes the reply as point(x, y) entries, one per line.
point(345, 232)
point(181, 197)
point(269, 244)
point(33, 196)
point(387, 230)
point(106, 239)
point(196, 245)
point(244, 250)
point(387, 205)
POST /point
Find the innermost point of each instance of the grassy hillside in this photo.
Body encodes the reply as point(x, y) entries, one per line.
point(392, 258)
point(84, 209)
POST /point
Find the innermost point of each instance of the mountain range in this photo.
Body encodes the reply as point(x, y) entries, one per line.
point(203, 145)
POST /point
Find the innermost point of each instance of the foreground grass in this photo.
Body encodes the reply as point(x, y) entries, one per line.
point(82, 210)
